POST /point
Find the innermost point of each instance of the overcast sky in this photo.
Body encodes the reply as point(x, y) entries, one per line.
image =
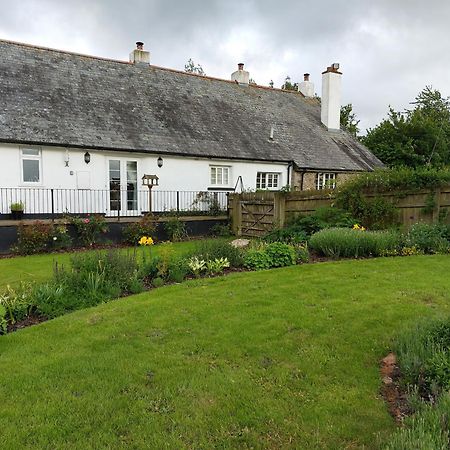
point(388, 49)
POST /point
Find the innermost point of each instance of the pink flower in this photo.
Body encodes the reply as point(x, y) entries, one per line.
point(86, 220)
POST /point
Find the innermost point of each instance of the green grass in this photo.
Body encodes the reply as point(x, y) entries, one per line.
point(40, 267)
point(286, 358)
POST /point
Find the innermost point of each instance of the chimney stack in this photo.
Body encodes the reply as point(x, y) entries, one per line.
point(306, 87)
point(241, 76)
point(139, 56)
point(331, 97)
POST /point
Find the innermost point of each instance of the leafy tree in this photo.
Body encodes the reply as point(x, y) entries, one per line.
point(416, 137)
point(288, 85)
point(190, 67)
point(349, 122)
point(252, 82)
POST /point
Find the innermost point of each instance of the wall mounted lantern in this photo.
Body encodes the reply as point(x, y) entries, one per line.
point(87, 158)
point(160, 162)
point(150, 181)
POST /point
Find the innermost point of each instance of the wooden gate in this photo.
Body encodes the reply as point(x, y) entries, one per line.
point(254, 214)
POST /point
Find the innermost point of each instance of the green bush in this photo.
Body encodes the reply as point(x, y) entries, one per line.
point(158, 282)
point(175, 229)
point(298, 229)
point(60, 237)
point(221, 230)
point(428, 238)
point(257, 259)
point(302, 253)
point(281, 254)
point(348, 243)
point(15, 305)
point(178, 270)
point(89, 228)
point(134, 231)
point(217, 249)
point(33, 238)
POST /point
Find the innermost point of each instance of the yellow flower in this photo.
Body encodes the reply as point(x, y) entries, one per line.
point(356, 227)
point(146, 240)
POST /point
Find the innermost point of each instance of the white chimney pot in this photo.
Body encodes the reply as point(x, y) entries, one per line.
point(331, 98)
point(241, 76)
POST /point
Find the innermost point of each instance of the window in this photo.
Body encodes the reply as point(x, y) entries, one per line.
point(325, 181)
point(267, 180)
point(31, 165)
point(220, 175)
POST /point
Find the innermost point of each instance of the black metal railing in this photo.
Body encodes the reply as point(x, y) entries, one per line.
point(40, 202)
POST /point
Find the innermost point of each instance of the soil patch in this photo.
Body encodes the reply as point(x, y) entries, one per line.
point(28, 322)
point(393, 394)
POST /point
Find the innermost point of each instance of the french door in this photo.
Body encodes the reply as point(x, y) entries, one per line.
point(123, 186)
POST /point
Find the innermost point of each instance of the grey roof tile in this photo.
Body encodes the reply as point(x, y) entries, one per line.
point(58, 98)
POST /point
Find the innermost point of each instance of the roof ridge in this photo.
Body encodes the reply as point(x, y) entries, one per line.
point(100, 58)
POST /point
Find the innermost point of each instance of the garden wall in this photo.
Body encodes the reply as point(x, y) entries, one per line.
point(195, 226)
point(256, 213)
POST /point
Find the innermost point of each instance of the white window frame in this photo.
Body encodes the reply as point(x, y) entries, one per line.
point(326, 180)
point(37, 157)
point(268, 180)
point(214, 178)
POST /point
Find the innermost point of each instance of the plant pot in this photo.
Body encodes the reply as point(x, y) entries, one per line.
point(16, 215)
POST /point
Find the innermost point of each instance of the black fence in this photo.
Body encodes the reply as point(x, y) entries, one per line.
point(39, 202)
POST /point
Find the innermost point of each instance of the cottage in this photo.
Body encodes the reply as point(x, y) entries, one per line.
point(75, 124)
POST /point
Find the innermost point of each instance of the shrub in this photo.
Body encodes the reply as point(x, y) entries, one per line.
point(17, 206)
point(196, 265)
point(348, 243)
point(166, 258)
point(428, 238)
point(217, 249)
point(215, 266)
point(257, 259)
point(133, 232)
point(15, 304)
point(281, 254)
point(158, 282)
point(178, 270)
point(175, 229)
point(90, 228)
point(302, 253)
point(221, 230)
point(34, 238)
point(298, 229)
point(60, 237)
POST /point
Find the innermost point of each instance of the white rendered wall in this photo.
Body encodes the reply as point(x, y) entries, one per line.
point(176, 174)
point(331, 100)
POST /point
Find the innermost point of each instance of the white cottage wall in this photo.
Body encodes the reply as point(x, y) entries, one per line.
point(178, 173)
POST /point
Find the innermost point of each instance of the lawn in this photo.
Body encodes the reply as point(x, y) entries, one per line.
point(286, 358)
point(40, 267)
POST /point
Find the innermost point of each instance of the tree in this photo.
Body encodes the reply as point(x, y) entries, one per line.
point(348, 120)
point(416, 137)
point(190, 67)
point(288, 86)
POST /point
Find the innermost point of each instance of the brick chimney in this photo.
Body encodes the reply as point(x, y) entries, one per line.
point(306, 87)
point(139, 55)
point(331, 97)
point(241, 76)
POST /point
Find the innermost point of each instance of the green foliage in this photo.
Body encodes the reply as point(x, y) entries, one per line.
point(15, 304)
point(175, 229)
point(89, 228)
point(299, 228)
point(288, 85)
point(134, 231)
point(302, 253)
point(208, 202)
point(217, 249)
point(375, 211)
point(190, 67)
point(281, 254)
point(92, 279)
point(18, 206)
point(158, 282)
point(257, 259)
point(165, 258)
point(416, 137)
point(33, 238)
point(217, 265)
point(427, 429)
point(3, 321)
point(221, 230)
point(60, 237)
point(178, 270)
point(428, 238)
point(196, 265)
point(348, 243)
point(349, 122)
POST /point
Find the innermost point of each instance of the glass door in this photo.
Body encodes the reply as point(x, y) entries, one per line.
point(123, 186)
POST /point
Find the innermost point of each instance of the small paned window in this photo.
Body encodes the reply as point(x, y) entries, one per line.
point(220, 175)
point(325, 181)
point(267, 180)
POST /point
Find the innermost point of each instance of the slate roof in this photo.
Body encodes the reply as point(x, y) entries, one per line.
point(50, 97)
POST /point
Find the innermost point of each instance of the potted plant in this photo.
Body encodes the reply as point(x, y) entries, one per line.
point(17, 210)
